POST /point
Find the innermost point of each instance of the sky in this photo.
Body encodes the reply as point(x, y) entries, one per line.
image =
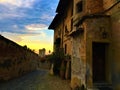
point(26, 22)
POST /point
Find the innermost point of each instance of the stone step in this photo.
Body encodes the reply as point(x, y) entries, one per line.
point(101, 86)
point(92, 89)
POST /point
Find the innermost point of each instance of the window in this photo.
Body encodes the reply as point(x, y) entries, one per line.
point(57, 42)
point(66, 30)
point(59, 32)
point(65, 48)
point(72, 8)
point(79, 7)
point(71, 24)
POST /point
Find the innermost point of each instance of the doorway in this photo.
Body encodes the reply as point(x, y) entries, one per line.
point(99, 62)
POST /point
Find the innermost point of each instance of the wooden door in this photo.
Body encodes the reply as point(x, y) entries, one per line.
point(99, 56)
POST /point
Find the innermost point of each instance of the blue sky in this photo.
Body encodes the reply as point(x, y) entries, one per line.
point(26, 22)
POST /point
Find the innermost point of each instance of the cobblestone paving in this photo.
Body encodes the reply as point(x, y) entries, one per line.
point(37, 80)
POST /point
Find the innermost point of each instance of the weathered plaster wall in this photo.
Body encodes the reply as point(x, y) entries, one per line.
point(115, 19)
point(68, 44)
point(93, 6)
point(58, 33)
point(61, 31)
point(67, 25)
point(96, 26)
point(81, 45)
point(108, 3)
point(78, 60)
point(94, 29)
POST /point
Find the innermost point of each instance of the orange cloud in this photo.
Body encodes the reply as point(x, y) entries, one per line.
point(36, 27)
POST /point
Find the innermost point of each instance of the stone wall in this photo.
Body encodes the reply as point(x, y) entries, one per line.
point(115, 19)
point(44, 65)
point(100, 20)
point(68, 28)
point(68, 46)
point(94, 33)
point(93, 6)
point(107, 4)
point(15, 60)
point(58, 33)
point(78, 64)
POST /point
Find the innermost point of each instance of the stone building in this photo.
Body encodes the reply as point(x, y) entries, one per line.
point(88, 30)
point(62, 24)
point(42, 52)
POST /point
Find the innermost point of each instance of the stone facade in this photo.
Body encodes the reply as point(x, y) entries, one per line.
point(115, 45)
point(15, 60)
point(62, 25)
point(91, 34)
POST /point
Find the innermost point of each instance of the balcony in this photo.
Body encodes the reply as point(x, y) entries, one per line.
point(77, 17)
point(76, 31)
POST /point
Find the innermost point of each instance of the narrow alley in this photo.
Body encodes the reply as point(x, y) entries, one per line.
point(36, 80)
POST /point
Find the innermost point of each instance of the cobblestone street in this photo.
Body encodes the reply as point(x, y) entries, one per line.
point(37, 80)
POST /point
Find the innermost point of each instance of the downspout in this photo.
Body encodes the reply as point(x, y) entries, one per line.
point(62, 32)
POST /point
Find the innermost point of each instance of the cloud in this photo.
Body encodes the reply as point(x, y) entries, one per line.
point(8, 12)
point(46, 17)
point(15, 26)
point(17, 3)
point(15, 8)
point(26, 22)
point(36, 27)
point(10, 15)
point(32, 37)
point(22, 30)
point(12, 36)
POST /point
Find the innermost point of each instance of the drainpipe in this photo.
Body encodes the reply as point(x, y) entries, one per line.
point(62, 32)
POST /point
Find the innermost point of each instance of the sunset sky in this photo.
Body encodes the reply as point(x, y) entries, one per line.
point(26, 21)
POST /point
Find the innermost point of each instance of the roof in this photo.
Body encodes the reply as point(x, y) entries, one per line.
point(55, 21)
point(61, 6)
point(60, 10)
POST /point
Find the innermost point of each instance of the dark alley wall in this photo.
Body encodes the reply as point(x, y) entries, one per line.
point(15, 60)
